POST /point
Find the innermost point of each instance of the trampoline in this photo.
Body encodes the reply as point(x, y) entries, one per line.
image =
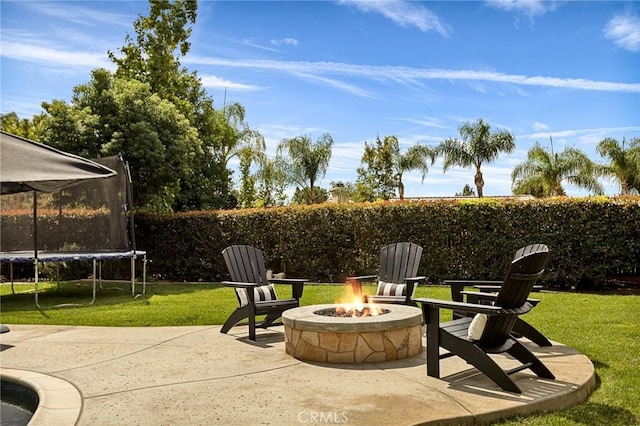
point(60, 222)
point(27, 257)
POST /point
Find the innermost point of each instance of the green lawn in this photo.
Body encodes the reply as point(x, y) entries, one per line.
point(605, 328)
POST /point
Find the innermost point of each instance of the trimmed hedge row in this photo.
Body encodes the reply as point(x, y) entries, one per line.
point(589, 238)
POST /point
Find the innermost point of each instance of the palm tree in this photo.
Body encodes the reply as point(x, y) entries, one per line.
point(415, 158)
point(624, 163)
point(543, 172)
point(307, 162)
point(235, 138)
point(478, 146)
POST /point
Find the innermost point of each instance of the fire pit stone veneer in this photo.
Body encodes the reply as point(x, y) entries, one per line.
point(396, 334)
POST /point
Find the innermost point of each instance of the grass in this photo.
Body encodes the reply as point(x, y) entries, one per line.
point(604, 327)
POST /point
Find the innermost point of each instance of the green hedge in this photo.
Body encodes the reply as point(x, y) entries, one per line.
point(590, 238)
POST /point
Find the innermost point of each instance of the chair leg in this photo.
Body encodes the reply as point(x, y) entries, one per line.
point(525, 329)
point(237, 316)
point(524, 355)
point(479, 359)
point(269, 320)
point(431, 317)
point(252, 320)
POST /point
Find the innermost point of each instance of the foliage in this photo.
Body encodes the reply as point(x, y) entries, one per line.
point(478, 146)
point(377, 180)
point(26, 128)
point(588, 238)
point(272, 182)
point(304, 163)
point(113, 106)
point(467, 191)
point(624, 163)
point(385, 167)
point(604, 328)
point(543, 172)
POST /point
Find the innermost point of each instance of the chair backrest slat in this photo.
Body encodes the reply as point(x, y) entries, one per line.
point(527, 266)
point(399, 261)
point(245, 264)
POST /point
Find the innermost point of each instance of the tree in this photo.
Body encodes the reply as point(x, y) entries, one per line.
point(543, 172)
point(305, 162)
point(478, 146)
point(153, 57)
point(24, 127)
point(624, 163)
point(415, 158)
point(272, 182)
point(377, 180)
point(467, 191)
point(301, 196)
point(155, 139)
point(386, 166)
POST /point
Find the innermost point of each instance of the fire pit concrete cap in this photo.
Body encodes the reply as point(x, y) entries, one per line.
point(305, 318)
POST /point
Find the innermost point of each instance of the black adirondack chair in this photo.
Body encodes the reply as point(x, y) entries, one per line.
point(521, 327)
point(256, 294)
point(396, 279)
point(496, 336)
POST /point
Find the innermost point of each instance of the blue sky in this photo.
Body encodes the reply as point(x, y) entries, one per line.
point(417, 70)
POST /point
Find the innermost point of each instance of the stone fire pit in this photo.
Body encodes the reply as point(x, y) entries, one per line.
point(312, 336)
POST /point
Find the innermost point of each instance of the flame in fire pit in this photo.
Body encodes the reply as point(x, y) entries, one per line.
point(357, 308)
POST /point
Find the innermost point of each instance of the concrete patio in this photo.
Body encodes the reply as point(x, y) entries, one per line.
point(197, 376)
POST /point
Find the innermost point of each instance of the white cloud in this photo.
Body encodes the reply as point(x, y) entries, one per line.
point(529, 8)
point(287, 41)
point(624, 30)
point(349, 88)
point(216, 82)
point(572, 133)
point(403, 13)
point(69, 12)
point(249, 42)
point(414, 75)
point(53, 56)
point(537, 126)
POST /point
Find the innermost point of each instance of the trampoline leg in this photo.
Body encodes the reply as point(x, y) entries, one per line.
point(144, 274)
point(94, 282)
point(35, 267)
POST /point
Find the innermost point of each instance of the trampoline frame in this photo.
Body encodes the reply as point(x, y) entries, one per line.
point(95, 257)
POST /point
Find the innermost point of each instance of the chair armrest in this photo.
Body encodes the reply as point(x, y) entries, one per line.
point(293, 281)
point(416, 279)
point(363, 278)
point(492, 296)
point(297, 285)
point(473, 282)
point(460, 306)
point(238, 284)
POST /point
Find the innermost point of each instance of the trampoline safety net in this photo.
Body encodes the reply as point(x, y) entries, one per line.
point(91, 216)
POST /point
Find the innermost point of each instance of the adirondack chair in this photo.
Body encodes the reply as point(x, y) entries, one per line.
point(521, 327)
point(467, 338)
point(397, 280)
point(256, 294)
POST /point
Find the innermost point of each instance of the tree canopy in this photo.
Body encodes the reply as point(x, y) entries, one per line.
point(305, 162)
point(478, 145)
point(624, 163)
point(543, 173)
point(383, 167)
